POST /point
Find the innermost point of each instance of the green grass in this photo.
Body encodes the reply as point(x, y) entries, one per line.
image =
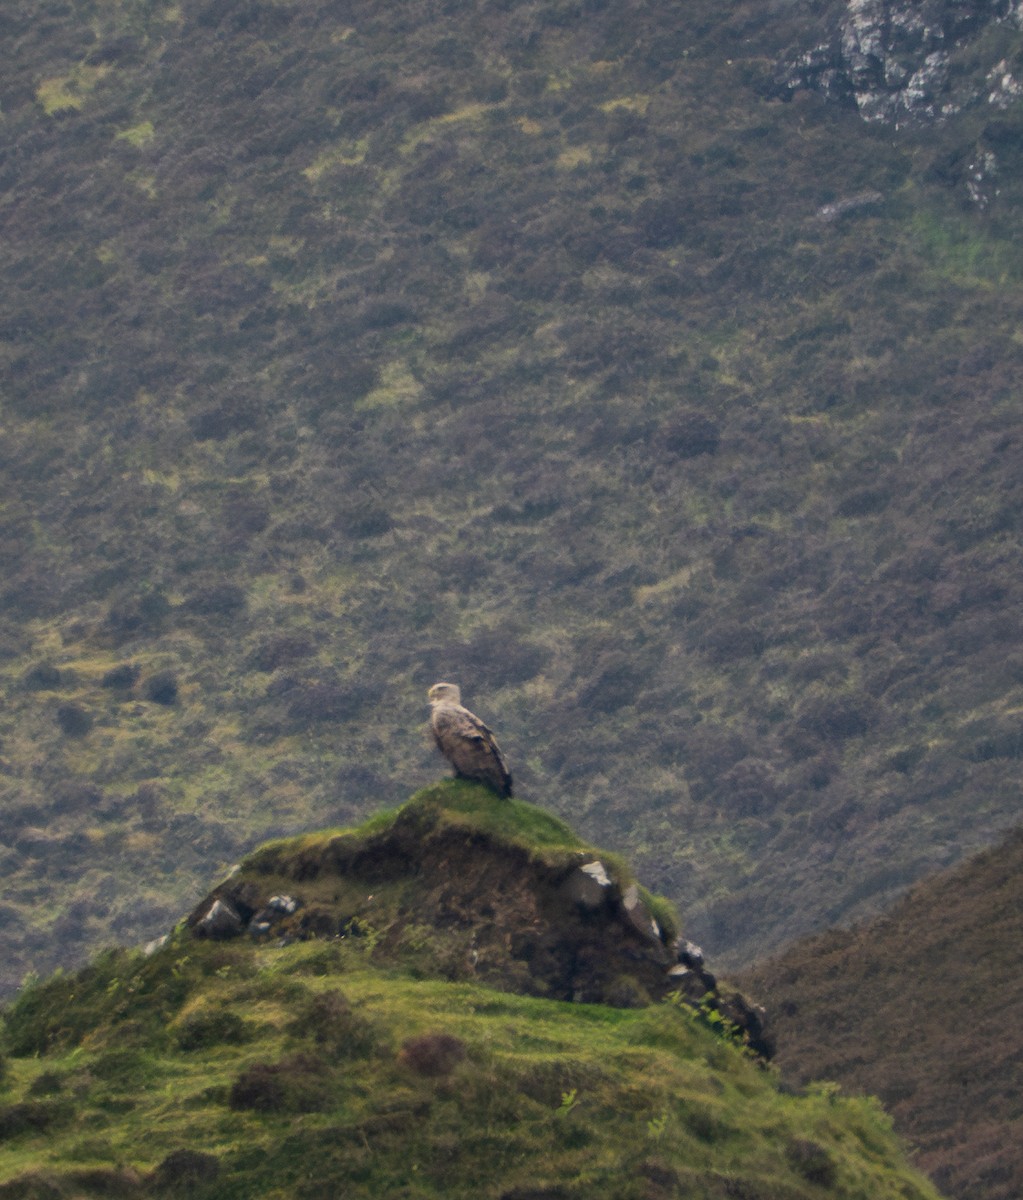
point(358, 1064)
point(515, 821)
point(547, 1094)
point(461, 804)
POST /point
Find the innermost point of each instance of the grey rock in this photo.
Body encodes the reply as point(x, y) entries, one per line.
point(220, 921)
point(980, 178)
point(1004, 88)
point(694, 986)
point(275, 909)
point(891, 58)
point(847, 204)
point(639, 915)
point(587, 886)
point(688, 953)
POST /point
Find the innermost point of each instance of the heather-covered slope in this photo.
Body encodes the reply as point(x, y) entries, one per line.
point(305, 1064)
point(541, 347)
point(923, 1007)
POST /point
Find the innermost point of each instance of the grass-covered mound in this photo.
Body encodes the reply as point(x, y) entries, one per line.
point(463, 885)
point(238, 1069)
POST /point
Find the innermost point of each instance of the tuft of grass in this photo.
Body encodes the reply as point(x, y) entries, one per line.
point(138, 135)
point(476, 807)
point(66, 93)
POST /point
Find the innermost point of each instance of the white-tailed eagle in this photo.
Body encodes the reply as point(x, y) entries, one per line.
point(465, 741)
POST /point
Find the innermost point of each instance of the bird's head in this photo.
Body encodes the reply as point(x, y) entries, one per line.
point(444, 693)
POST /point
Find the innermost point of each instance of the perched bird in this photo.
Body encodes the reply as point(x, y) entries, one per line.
point(465, 741)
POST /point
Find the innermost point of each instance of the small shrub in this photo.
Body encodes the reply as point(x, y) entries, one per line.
point(328, 959)
point(245, 517)
point(689, 434)
point(120, 1066)
point(732, 641)
point(30, 1116)
point(385, 314)
point(363, 520)
point(122, 677)
point(221, 420)
point(664, 223)
point(42, 677)
point(812, 1161)
point(330, 1021)
point(750, 787)
point(74, 720)
point(259, 1087)
point(31, 1187)
point(185, 1170)
point(432, 1054)
point(75, 796)
point(104, 1181)
point(864, 502)
point(139, 613)
point(836, 718)
point(297, 1084)
point(614, 685)
point(702, 1124)
point(47, 1084)
point(279, 652)
point(162, 688)
point(203, 1029)
point(216, 600)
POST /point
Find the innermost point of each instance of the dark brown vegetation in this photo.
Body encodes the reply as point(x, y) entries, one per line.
point(923, 1008)
point(432, 1054)
point(345, 351)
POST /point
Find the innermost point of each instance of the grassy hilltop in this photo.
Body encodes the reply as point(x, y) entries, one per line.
point(518, 344)
point(243, 1068)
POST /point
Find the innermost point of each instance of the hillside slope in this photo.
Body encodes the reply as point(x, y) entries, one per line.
point(922, 1007)
point(569, 351)
point(309, 1064)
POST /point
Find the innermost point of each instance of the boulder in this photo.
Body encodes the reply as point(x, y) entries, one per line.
point(688, 954)
point(588, 886)
point(220, 921)
point(639, 916)
point(277, 907)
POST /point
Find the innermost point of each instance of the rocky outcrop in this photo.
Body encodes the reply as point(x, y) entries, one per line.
point(466, 905)
point(893, 59)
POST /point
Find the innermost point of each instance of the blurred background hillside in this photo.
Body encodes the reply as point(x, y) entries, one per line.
point(617, 361)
